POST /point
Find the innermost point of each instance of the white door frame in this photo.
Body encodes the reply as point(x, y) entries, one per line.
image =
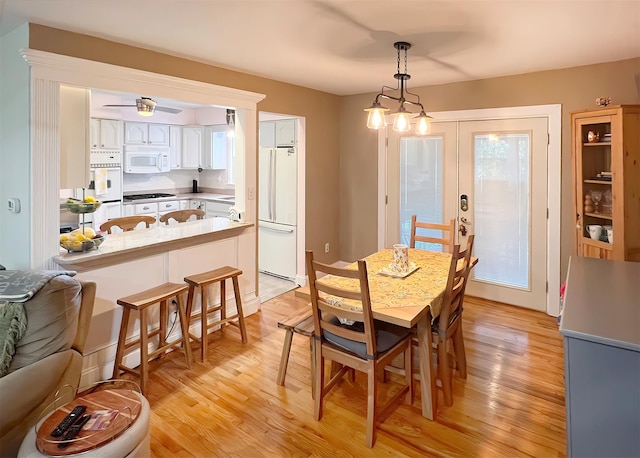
point(554, 114)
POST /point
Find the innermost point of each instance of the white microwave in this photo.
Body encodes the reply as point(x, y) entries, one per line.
point(146, 159)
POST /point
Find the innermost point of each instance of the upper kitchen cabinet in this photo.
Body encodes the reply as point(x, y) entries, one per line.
point(192, 137)
point(175, 147)
point(74, 137)
point(278, 133)
point(142, 133)
point(217, 147)
point(606, 163)
point(106, 133)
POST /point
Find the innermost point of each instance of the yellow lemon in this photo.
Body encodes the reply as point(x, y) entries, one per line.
point(77, 245)
point(64, 238)
point(81, 237)
point(90, 199)
point(89, 232)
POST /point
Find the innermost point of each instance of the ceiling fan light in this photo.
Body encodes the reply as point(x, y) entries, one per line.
point(376, 118)
point(423, 126)
point(401, 122)
point(145, 106)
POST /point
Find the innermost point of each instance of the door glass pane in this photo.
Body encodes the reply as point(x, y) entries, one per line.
point(502, 208)
point(421, 185)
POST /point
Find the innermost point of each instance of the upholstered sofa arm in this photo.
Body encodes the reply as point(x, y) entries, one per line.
point(27, 392)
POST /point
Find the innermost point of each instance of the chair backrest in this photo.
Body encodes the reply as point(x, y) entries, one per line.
point(127, 223)
point(182, 216)
point(352, 295)
point(448, 233)
point(454, 293)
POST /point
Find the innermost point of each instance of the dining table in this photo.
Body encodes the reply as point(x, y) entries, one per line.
point(410, 299)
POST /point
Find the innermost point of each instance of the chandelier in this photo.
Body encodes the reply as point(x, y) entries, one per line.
point(401, 117)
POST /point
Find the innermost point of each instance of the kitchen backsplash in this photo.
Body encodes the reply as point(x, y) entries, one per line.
point(174, 180)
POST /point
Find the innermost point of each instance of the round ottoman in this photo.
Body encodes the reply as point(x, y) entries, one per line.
point(133, 442)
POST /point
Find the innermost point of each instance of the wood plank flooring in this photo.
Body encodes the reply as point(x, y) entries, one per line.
point(511, 405)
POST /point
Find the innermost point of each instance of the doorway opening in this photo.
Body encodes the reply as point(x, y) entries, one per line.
point(281, 184)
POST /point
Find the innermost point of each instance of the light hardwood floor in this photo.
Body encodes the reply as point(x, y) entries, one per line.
point(512, 403)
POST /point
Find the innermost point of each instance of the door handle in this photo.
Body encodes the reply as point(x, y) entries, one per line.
point(465, 220)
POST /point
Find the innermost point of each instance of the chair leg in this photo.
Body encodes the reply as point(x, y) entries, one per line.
point(372, 388)
point(458, 349)
point(408, 373)
point(319, 385)
point(444, 372)
point(236, 292)
point(204, 322)
point(223, 302)
point(184, 327)
point(312, 345)
point(124, 324)
point(144, 352)
point(284, 359)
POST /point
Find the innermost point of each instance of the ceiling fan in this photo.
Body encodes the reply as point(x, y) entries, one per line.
point(147, 106)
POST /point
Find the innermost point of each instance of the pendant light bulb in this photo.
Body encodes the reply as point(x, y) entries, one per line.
point(423, 126)
point(376, 118)
point(401, 121)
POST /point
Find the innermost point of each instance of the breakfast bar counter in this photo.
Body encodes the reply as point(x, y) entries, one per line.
point(129, 262)
point(145, 242)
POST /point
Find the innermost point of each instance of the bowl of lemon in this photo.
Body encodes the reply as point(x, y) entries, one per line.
point(81, 240)
point(88, 205)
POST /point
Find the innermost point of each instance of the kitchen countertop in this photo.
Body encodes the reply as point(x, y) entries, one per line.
point(145, 242)
point(215, 197)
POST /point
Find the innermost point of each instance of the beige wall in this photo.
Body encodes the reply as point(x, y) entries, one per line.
point(320, 109)
point(342, 156)
point(574, 88)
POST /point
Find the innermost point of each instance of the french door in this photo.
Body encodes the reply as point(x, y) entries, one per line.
point(491, 176)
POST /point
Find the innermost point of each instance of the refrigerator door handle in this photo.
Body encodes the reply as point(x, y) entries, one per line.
point(272, 188)
point(273, 229)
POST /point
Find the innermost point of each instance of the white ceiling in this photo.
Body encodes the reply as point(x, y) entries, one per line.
point(346, 46)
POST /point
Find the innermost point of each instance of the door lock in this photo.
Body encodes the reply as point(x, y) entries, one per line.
point(463, 229)
point(464, 202)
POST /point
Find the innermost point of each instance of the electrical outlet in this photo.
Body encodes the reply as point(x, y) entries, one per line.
point(326, 247)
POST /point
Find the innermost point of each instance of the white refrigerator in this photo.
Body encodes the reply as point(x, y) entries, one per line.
point(277, 211)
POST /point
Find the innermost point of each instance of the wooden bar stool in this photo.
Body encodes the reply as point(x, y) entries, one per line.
point(140, 302)
point(203, 280)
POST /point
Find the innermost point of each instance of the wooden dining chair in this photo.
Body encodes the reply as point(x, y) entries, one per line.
point(364, 344)
point(182, 216)
point(447, 327)
point(127, 223)
point(418, 234)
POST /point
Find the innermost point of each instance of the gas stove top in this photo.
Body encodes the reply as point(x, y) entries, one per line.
point(157, 195)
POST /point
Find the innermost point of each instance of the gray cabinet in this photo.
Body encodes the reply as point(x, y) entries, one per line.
point(601, 330)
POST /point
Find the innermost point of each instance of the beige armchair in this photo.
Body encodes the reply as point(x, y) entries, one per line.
point(48, 361)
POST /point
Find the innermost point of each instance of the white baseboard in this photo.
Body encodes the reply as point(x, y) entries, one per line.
point(98, 366)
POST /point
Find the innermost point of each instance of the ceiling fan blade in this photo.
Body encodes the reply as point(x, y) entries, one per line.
point(118, 106)
point(168, 110)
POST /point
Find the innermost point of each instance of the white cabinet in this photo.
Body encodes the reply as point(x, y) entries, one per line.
point(106, 133)
point(142, 133)
point(168, 206)
point(217, 145)
point(74, 137)
point(192, 147)
point(278, 133)
point(175, 147)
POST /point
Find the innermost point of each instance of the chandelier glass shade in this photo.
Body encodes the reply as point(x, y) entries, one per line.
point(402, 118)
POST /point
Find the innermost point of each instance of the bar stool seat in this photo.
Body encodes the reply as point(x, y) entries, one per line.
point(203, 281)
point(140, 302)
